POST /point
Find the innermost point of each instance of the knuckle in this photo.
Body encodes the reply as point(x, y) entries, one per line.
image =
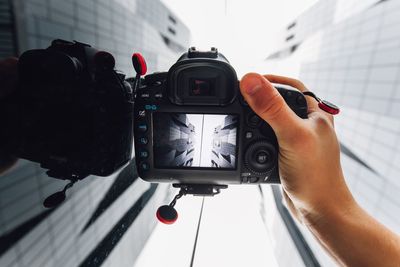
point(322, 122)
point(331, 120)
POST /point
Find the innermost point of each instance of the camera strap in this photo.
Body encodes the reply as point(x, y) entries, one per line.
point(323, 104)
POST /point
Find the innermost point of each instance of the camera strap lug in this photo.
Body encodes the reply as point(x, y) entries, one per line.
point(200, 189)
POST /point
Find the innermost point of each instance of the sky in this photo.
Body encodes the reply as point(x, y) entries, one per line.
point(231, 234)
point(244, 31)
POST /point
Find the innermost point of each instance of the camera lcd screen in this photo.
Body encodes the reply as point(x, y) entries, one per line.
point(195, 140)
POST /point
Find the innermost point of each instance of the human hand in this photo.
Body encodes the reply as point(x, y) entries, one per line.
point(309, 153)
point(8, 83)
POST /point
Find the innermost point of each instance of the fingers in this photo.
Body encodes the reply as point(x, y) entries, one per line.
point(266, 101)
point(311, 102)
point(286, 80)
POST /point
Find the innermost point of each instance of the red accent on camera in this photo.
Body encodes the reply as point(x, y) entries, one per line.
point(139, 63)
point(164, 220)
point(329, 109)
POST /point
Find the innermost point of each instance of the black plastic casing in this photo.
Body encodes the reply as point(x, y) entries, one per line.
point(159, 94)
point(75, 112)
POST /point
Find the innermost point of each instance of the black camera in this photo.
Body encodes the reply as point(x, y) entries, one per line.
point(192, 126)
point(72, 112)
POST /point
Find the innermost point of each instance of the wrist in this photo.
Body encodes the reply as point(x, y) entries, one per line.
point(332, 208)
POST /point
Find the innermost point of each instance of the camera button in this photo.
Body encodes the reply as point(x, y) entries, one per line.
point(142, 113)
point(145, 95)
point(288, 94)
point(158, 95)
point(249, 135)
point(252, 179)
point(144, 166)
point(253, 120)
point(262, 157)
point(142, 127)
point(143, 140)
point(143, 154)
point(300, 100)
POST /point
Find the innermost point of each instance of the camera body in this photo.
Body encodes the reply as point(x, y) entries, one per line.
point(72, 112)
point(192, 126)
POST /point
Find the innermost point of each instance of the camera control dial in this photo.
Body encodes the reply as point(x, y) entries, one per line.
point(260, 157)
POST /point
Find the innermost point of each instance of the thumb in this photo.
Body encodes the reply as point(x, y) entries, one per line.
point(266, 101)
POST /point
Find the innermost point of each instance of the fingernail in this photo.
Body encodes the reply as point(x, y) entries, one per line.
point(252, 85)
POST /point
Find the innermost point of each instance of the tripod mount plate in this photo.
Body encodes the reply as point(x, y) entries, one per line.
point(200, 189)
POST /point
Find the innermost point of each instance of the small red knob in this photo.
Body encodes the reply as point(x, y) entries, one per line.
point(139, 64)
point(328, 107)
point(167, 214)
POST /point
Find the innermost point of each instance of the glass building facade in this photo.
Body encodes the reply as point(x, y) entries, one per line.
point(104, 220)
point(348, 52)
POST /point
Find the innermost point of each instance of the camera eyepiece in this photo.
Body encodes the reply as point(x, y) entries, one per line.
point(202, 78)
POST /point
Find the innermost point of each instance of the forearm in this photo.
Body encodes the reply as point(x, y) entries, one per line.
point(356, 239)
point(311, 175)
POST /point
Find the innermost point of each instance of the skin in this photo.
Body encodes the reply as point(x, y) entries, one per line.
point(312, 179)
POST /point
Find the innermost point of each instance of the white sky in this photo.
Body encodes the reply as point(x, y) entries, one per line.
point(244, 31)
point(210, 123)
point(245, 34)
point(232, 233)
point(204, 137)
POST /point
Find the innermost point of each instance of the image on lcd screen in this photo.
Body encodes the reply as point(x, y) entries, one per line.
point(194, 140)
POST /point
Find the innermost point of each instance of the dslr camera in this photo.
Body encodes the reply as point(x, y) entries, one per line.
point(192, 126)
point(72, 112)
